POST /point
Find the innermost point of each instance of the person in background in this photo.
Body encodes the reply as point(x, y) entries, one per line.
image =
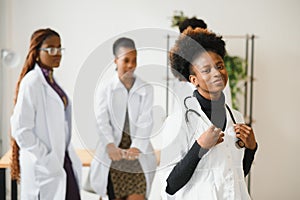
point(207, 162)
point(42, 154)
point(124, 163)
point(193, 23)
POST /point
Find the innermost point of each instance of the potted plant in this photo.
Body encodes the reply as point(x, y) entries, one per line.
point(236, 74)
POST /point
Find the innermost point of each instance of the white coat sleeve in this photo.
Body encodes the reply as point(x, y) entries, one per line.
point(144, 122)
point(176, 145)
point(23, 122)
point(104, 126)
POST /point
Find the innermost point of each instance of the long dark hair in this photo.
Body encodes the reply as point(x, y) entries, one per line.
point(36, 41)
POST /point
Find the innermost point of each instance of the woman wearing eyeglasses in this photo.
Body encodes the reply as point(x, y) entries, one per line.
point(207, 162)
point(43, 157)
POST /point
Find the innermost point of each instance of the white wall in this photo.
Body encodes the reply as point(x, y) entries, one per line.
point(6, 81)
point(84, 25)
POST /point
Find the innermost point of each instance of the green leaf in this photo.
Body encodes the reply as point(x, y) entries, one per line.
point(177, 18)
point(236, 72)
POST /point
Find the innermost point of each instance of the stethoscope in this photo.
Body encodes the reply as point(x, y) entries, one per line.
point(239, 143)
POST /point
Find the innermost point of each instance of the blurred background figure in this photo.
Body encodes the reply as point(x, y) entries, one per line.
point(124, 164)
point(43, 156)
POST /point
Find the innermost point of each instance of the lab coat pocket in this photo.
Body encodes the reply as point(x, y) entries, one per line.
point(48, 166)
point(51, 177)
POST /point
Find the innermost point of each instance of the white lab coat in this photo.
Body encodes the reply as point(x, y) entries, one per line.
point(111, 104)
point(219, 174)
point(42, 128)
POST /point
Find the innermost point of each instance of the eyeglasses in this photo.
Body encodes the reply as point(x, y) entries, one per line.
point(52, 51)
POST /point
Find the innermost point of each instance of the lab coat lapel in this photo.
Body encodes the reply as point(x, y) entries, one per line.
point(118, 103)
point(68, 115)
point(49, 90)
point(134, 102)
point(121, 100)
point(197, 124)
point(52, 100)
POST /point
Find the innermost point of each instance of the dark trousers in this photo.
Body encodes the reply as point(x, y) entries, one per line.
point(110, 189)
point(72, 192)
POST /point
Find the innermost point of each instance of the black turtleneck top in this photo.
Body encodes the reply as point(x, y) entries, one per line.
point(214, 110)
point(183, 171)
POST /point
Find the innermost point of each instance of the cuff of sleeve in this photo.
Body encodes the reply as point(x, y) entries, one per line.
point(201, 151)
point(169, 195)
point(105, 140)
point(142, 146)
point(254, 150)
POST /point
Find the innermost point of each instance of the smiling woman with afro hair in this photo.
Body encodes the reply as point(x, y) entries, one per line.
point(191, 43)
point(209, 164)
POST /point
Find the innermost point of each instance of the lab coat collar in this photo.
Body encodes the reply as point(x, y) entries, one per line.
point(193, 103)
point(138, 85)
point(50, 91)
point(38, 70)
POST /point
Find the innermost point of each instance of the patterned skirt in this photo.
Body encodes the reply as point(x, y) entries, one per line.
point(126, 177)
